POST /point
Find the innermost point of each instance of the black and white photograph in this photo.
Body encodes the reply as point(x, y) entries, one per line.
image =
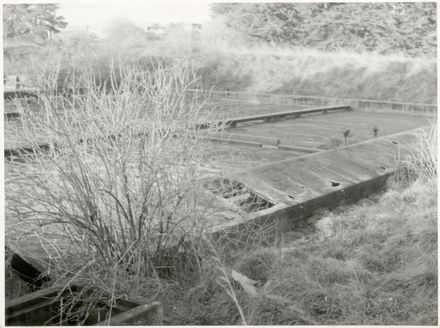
point(200, 163)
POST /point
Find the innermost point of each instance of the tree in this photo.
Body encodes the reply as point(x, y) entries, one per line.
point(270, 22)
point(33, 22)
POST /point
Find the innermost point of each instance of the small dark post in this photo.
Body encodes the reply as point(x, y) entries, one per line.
point(346, 133)
point(375, 131)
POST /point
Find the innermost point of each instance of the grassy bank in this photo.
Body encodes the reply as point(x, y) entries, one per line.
point(223, 62)
point(310, 72)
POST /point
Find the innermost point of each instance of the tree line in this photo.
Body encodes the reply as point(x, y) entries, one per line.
point(409, 27)
point(406, 27)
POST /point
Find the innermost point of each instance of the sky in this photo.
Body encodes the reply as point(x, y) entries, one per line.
point(99, 14)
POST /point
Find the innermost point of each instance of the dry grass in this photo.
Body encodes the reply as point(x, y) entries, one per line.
point(422, 160)
point(372, 263)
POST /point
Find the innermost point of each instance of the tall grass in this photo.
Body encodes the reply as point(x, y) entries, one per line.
point(422, 160)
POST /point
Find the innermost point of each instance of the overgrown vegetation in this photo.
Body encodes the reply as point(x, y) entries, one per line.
point(371, 263)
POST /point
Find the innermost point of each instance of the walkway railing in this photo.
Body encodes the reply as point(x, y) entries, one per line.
point(283, 99)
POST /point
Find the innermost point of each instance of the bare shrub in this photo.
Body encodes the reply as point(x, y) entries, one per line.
point(116, 182)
